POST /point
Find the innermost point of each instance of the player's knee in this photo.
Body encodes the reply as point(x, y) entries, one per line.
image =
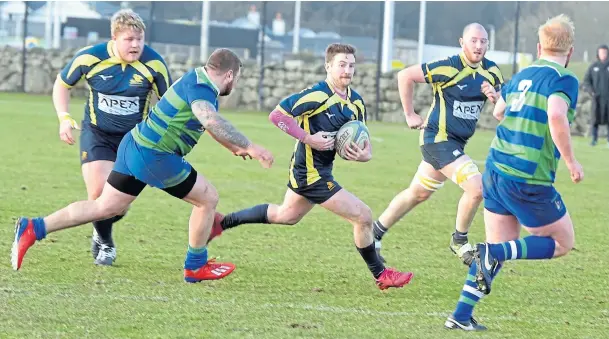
point(106, 210)
point(94, 192)
point(364, 218)
point(475, 193)
point(284, 216)
point(291, 220)
point(420, 193)
point(564, 247)
point(211, 198)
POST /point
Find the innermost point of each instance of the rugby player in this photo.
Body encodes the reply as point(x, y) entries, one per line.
point(122, 74)
point(321, 110)
point(153, 154)
point(461, 85)
point(535, 109)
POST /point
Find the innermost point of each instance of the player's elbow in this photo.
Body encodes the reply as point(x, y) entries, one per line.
point(557, 108)
point(404, 77)
point(498, 115)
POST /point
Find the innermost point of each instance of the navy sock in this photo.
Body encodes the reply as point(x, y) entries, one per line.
point(103, 228)
point(195, 258)
point(531, 247)
point(39, 228)
point(460, 237)
point(253, 215)
point(379, 230)
point(375, 265)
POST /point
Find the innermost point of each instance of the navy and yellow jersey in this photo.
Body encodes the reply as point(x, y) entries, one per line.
point(171, 126)
point(457, 98)
point(119, 92)
point(319, 108)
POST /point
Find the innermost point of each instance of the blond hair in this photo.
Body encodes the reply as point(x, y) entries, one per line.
point(557, 35)
point(126, 19)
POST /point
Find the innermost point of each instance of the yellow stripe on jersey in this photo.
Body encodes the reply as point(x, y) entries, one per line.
point(292, 178)
point(459, 76)
point(278, 108)
point(497, 72)
point(312, 173)
point(91, 108)
point(431, 109)
point(143, 70)
point(442, 134)
point(320, 109)
point(487, 75)
point(109, 48)
point(82, 60)
point(63, 83)
point(447, 71)
point(317, 96)
point(160, 68)
point(105, 64)
point(333, 100)
point(146, 105)
point(362, 108)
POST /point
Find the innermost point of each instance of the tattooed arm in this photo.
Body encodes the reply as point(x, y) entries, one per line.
point(219, 128)
point(227, 135)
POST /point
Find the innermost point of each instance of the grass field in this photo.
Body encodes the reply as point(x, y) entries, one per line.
point(304, 281)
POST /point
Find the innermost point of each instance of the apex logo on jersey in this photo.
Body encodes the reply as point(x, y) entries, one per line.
point(467, 110)
point(118, 105)
point(137, 80)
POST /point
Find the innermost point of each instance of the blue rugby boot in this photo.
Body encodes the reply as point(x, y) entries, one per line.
point(486, 265)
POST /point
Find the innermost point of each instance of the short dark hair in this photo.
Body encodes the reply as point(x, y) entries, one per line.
point(223, 60)
point(334, 49)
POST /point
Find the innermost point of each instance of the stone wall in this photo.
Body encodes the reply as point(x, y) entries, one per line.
point(279, 81)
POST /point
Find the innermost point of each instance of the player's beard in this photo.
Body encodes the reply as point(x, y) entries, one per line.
point(228, 89)
point(346, 81)
point(473, 57)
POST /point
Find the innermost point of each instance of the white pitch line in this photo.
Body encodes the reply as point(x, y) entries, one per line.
point(285, 306)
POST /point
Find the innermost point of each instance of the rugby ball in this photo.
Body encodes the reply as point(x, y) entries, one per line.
point(353, 131)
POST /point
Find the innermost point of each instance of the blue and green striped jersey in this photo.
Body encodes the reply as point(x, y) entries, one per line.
point(171, 125)
point(523, 149)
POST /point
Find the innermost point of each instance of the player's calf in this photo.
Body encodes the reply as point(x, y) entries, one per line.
point(421, 189)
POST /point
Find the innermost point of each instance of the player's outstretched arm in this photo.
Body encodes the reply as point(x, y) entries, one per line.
point(227, 135)
point(406, 80)
point(321, 141)
point(561, 135)
point(499, 110)
point(61, 100)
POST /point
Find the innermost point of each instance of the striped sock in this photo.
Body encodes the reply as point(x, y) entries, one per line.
point(531, 247)
point(195, 258)
point(379, 230)
point(469, 297)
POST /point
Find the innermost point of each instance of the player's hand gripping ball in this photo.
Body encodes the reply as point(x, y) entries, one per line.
point(353, 131)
